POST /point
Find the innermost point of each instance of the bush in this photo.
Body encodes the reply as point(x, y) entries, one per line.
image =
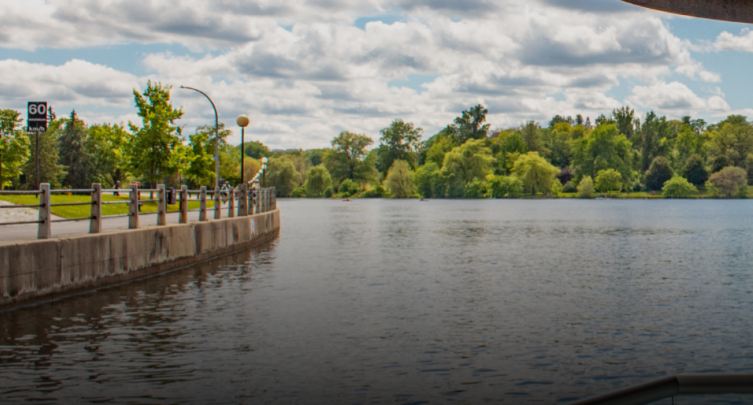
point(328, 193)
point(569, 187)
point(298, 192)
point(565, 175)
point(695, 171)
point(476, 189)
point(658, 173)
point(501, 186)
point(349, 188)
point(678, 187)
point(719, 163)
point(376, 192)
point(586, 187)
point(608, 180)
point(730, 180)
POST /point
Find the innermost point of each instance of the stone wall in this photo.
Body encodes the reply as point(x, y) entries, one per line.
point(48, 269)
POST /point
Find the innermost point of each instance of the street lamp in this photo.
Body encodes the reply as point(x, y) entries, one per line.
point(264, 161)
point(243, 122)
point(216, 137)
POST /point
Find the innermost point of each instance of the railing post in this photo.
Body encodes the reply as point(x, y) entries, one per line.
point(217, 203)
point(183, 205)
point(133, 207)
point(95, 223)
point(161, 205)
point(45, 212)
point(274, 198)
point(231, 204)
point(243, 200)
point(203, 204)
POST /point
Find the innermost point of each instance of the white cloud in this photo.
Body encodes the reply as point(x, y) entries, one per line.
point(730, 42)
point(674, 97)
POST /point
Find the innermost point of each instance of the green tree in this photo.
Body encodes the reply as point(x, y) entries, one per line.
point(695, 171)
point(530, 132)
point(50, 170)
point(399, 180)
point(201, 168)
point(557, 144)
point(658, 173)
point(730, 180)
point(506, 148)
point(106, 145)
point(535, 172)
point(733, 140)
point(470, 124)
point(688, 143)
point(468, 162)
point(281, 174)
point(678, 187)
point(349, 159)
point(650, 141)
point(505, 186)
point(624, 118)
point(156, 147)
point(401, 140)
point(318, 180)
point(586, 187)
point(73, 153)
point(14, 146)
point(425, 178)
point(257, 150)
point(608, 180)
point(605, 148)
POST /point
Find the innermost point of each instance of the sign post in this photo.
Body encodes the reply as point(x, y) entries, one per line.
point(37, 122)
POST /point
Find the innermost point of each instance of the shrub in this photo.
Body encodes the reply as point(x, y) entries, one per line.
point(719, 163)
point(695, 171)
point(586, 187)
point(501, 186)
point(328, 193)
point(678, 187)
point(608, 180)
point(298, 192)
point(349, 188)
point(376, 192)
point(569, 187)
point(658, 173)
point(476, 189)
point(730, 180)
point(565, 175)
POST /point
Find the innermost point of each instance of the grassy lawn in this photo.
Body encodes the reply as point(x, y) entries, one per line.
point(80, 211)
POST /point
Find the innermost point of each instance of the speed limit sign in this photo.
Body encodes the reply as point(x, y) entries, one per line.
point(37, 116)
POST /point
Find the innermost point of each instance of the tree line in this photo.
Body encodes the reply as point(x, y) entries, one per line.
point(618, 152)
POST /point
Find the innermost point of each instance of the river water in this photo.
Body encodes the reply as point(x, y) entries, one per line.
point(409, 302)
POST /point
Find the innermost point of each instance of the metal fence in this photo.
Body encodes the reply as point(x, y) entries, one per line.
point(250, 200)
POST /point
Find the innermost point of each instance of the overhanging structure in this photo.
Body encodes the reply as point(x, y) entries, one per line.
point(726, 10)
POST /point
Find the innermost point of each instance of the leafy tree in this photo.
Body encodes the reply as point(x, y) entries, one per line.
point(565, 175)
point(469, 162)
point(535, 172)
point(251, 167)
point(425, 178)
point(257, 150)
point(558, 119)
point(281, 174)
point(201, 168)
point(106, 145)
point(505, 186)
point(605, 148)
point(401, 140)
point(73, 153)
point(471, 125)
point(156, 147)
point(315, 156)
point(347, 160)
point(688, 143)
point(653, 130)
point(608, 180)
point(531, 136)
point(659, 172)
point(623, 118)
point(749, 167)
point(230, 163)
point(695, 171)
point(557, 144)
point(50, 170)
point(318, 181)
point(586, 187)
point(399, 180)
point(14, 146)
point(349, 188)
point(733, 140)
point(477, 189)
point(298, 192)
point(730, 180)
point(506, 149)
point(678, 187)
point(302, 165)
point(719, 163)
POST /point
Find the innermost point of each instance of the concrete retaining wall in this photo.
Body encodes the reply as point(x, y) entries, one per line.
point(49, 269)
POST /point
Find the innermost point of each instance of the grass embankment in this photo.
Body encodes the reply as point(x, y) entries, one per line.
point(81, 211)
point(701, 193)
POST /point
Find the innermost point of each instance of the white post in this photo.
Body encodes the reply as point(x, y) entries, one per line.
point(45, 212)
point(95, 223)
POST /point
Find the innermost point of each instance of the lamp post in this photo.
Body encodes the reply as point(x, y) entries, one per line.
point(264, 161)
point(243, 122)
point(216, 137)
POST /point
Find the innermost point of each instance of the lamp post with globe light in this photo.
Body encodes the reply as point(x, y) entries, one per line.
point(243, 122)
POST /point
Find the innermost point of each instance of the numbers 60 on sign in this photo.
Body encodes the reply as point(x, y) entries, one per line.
point(37, 109)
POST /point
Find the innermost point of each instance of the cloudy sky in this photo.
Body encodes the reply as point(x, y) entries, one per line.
point(304, 70)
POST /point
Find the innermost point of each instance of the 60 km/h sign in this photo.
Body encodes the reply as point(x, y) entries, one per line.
point(37, 116)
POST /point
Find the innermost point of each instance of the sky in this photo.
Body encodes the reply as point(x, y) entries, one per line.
point(305, 70)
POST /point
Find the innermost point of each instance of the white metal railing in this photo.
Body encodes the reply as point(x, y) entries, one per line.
point(250, 201)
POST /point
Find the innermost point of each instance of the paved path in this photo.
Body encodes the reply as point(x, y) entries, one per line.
point(10, 234)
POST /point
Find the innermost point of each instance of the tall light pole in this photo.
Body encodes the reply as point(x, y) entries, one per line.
point(243, 122)
point(216, 137)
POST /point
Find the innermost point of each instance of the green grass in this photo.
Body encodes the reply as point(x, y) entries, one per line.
point(81, 211)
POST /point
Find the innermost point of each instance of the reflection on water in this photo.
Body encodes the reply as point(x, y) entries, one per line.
point(412, 302)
